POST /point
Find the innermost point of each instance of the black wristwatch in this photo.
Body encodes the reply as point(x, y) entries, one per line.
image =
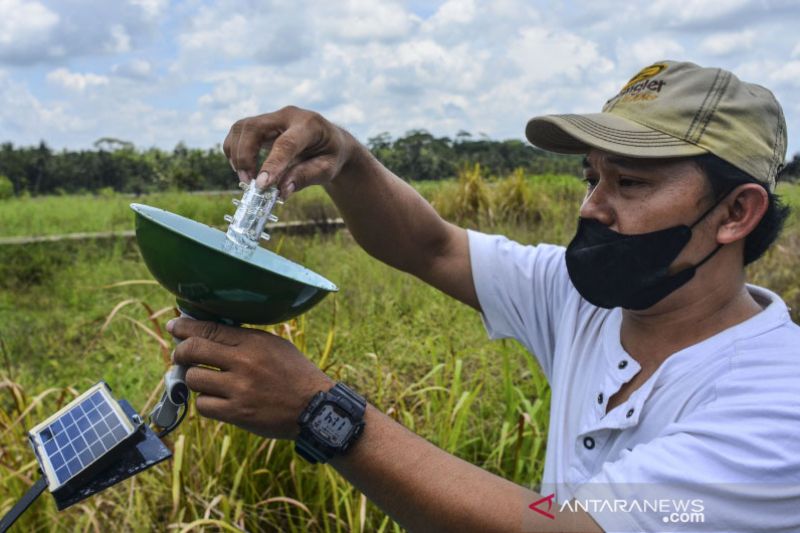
point(330, 424)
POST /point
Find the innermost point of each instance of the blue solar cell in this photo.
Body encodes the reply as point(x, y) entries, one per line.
point(94, 415)
point(62, 474)
point(86, 457)
point(57, 460)
point(109, 440)
point(68, 452)
point(56, 426)
point(104, 408)
point(101, 427)
point(74, 466)
point(72, 431)
point(79, 444)
point(97, 448)
point(83, 424)
point(119, 432)
point(96, 398)
point(51, 447)
point(62, 439)
point(90, 435)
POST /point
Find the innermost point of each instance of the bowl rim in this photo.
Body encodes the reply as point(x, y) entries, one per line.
point(143, 211)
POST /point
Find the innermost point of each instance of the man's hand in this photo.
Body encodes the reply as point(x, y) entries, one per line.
point(304, 149)
point(257, 381)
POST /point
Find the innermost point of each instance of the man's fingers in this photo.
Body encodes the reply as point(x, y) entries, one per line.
point(212, 407)
point(207, 381)
point(248, 136)
point(200, 351)
point(317, 170)
point(184, 328)
point(286, 149)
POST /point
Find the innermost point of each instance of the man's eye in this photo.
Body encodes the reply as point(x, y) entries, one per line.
point(591, 183)
point(624, 182)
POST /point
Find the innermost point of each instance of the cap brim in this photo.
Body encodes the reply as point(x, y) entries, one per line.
point(577, 134)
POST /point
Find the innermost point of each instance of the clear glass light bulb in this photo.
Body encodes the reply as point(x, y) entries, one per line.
point(253, 211)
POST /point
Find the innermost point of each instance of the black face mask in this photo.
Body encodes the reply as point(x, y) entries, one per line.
point(611, 269)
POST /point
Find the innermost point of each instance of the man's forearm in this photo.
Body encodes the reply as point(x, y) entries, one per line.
point(423, 488)
point(386, 216)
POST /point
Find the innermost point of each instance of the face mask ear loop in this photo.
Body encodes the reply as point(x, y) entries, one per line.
point(710, 209)
point(722, 197)
point(709, 256)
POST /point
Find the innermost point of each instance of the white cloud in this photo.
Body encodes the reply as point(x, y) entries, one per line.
point(30, 119)
point(788, 72)
point(74, 80)
point(154, 72)
point(543, 54)
point(151, 8)
point(635, 55)
point(364, 20)
point(134, 69)
point(120, 42)
point(720, 44)
point(692, 12)
point(455, 12)
point(53, 31)
point(25, 27)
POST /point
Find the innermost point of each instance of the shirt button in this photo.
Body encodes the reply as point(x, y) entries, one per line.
point(600, 398)
point(629, 413)
point(588, 443)
point(622, 364)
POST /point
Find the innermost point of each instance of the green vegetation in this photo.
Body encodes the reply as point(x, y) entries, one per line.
point(72, 313)
point(49, 215)
point(119, 166)
point(6, 188)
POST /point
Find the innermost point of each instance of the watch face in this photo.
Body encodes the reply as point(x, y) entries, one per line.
point(331, 425)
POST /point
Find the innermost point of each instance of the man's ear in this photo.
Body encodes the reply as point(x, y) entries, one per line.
point(746, 206)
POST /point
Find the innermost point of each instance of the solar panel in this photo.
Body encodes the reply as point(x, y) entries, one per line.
point(79, 435)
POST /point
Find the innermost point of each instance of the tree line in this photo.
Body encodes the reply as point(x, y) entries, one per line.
point(117, 165)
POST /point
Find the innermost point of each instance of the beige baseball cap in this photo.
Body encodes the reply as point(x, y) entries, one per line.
point(678, 109)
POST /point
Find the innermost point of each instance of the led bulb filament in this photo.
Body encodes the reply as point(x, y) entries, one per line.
point(253, 212)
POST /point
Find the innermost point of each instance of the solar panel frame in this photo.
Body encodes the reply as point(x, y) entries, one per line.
point(77, 437)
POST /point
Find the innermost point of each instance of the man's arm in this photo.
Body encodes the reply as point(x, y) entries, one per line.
point(424, 488)
point(264, 383)
point(386, 216)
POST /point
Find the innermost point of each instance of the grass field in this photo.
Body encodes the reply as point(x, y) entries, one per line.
point(48, 215)
point(416, 354)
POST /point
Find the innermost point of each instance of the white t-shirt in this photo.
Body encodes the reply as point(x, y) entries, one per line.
point(720, 418)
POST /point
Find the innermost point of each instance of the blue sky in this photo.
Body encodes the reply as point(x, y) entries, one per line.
point(155, 72)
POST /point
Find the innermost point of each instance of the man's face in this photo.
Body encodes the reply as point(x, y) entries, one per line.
point(632, 196)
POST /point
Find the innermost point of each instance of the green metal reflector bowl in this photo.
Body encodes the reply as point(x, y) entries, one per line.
point(190, 260)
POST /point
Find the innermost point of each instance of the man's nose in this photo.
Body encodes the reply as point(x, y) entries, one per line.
point(597, 206)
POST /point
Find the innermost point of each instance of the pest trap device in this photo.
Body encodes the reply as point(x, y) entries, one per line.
point(87, 446)
point(221, 276)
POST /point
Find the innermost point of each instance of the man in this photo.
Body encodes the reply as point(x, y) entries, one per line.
point(672, 380)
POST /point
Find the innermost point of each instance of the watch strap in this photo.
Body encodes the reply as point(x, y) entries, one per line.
point(309, 452)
